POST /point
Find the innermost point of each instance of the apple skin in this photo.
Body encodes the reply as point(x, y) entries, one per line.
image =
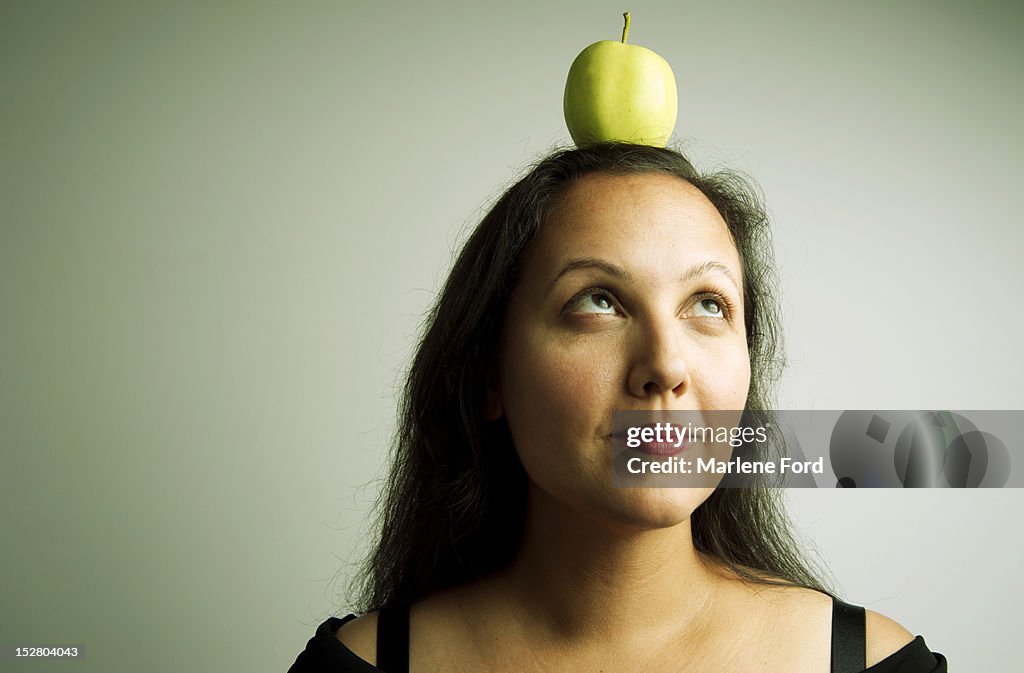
point(619, 91)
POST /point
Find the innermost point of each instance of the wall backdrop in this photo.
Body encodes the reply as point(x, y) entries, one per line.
point(221, 223)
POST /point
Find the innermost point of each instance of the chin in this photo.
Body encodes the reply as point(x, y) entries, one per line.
point(656, 508)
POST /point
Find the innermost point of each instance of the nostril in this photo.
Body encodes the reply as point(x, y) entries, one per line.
point(652, 388)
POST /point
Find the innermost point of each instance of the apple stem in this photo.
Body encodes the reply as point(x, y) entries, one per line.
point(625, 29)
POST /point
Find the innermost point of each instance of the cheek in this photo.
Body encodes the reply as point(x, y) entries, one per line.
point(548, 382)
point(555, 399)
point(724, 376)
point(737, 377)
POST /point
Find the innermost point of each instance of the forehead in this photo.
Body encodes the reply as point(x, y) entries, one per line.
point(651, 223)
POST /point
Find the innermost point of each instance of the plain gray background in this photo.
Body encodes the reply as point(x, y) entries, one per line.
point(222, 223)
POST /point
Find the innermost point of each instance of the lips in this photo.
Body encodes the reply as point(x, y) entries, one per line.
point(657, 439)
point(662, 448)
point(671, 445)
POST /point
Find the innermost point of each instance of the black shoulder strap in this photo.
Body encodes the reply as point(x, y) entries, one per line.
point(393, 639)
point(849, 642)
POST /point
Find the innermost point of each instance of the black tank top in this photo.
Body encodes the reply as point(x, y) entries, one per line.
point(324, 653)
point(848, 638)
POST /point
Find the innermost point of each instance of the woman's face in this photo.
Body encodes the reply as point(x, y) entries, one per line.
point(629, 299)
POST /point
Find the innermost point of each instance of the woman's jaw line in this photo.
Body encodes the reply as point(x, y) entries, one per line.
point(582, 574)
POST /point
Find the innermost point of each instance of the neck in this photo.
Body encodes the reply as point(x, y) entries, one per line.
point(578, 578)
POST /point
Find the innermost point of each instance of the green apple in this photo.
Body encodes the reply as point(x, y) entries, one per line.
point(619, 91)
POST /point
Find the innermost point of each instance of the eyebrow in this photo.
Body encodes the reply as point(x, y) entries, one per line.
point(618, 272)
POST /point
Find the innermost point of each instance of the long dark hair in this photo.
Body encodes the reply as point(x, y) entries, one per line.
point(453, 505)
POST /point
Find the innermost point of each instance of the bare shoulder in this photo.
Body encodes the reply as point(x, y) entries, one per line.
point(797, 614)
point(786, 598)
point(360, 636)
point(805, 616)
point(778, 612)
point(884, 637)
point(808, 613)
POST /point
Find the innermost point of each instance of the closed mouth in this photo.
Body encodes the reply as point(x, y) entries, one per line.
point(659, 439)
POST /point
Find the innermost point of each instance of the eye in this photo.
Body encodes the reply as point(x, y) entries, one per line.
point(710, 307)
point(593, 301)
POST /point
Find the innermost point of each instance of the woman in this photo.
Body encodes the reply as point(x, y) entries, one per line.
point(610, 278)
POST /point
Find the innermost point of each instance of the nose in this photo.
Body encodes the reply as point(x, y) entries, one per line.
point(659, 367)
